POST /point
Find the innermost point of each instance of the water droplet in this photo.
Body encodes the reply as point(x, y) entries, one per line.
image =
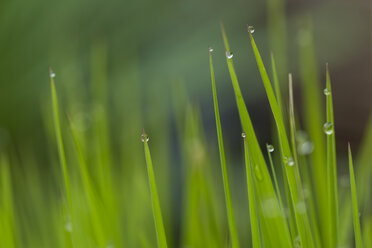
point(51, 73)
point(144, 137)
point(243, 135)
point(257, 172)
point(270, 148)
point(328, 128)
point(326, 91)
point(289, 161)
point(251, 29)
point(210, 49)
point(229, 55)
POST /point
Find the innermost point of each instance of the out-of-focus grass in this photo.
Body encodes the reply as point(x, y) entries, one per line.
point(100, 190)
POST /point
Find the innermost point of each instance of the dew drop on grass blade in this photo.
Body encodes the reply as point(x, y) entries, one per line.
point(58, 133)
point(293, 175)
point(331, 168)
point(67, 210)
point(291, 221)
point(159, 226)
point(229, 206)
point(270, 149)
point(273, 226)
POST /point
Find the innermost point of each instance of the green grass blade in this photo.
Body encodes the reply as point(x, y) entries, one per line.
point(292, 122)
point(291, 167)
point(277, 85)
point(67, 210)
point(312, 216)
point(89, 190)
point(331, 167)
point(364, 189)
point(58, 133)
point(367, 230)
point(160, 231)
point(357, 229)
point(200, 220)
point(313, 121)
point(269, 149)
point(229, 207)
point(7, 222)
point(278, 232)
point(255, 227)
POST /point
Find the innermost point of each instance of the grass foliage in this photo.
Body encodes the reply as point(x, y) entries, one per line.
point(101, 191)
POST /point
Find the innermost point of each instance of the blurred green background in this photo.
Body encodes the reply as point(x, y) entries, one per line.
point(163, 43)
point(143, 63)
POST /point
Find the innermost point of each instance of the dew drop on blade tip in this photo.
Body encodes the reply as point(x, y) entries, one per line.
point(210, 49)
point(243, 135)
point(144, 137)
point(251, 29)
point(270, 148)
point(229, 55)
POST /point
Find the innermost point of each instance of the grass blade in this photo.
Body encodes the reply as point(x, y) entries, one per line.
point(278, 232)
point(313, 121)
point(292, 122)
point(97, 224)
point(357, 231)
point(312, 216)
point(7, 222)
point(255, 228)
point(364, 175)
point(291, 169)
point(331, 167)
point(160, 231)
point(67, 211)
point(229, 207)
point(269, 149)
point(276, 84)
point(58, 133)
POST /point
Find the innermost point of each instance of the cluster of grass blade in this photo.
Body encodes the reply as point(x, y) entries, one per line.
point(101, 195)
point(265, 226)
